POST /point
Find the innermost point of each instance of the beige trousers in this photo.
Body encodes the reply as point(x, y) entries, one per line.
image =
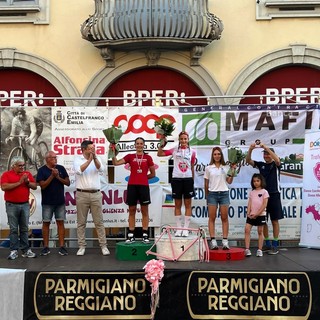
point(90, 202)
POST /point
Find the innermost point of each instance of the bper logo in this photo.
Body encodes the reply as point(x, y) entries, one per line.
point(203, 129)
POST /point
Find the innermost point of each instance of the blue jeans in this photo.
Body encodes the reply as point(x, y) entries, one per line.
point(18, 219)
point(216, 198)
point(48, 210)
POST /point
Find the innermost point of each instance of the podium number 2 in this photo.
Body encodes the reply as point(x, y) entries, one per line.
point(134, 252)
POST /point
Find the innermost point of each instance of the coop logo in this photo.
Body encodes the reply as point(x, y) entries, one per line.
point(315, 144)
point(140, 123)
point(59, 117)
point(203, 129)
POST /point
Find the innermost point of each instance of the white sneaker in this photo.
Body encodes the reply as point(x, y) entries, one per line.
point(213, 244)
point(13, 255)
point(185, 233)
point(259, 253)
point(247, 253)
point(105, 251)
point(225, 244)
point(130, 238)
point(178, 233)
point(145, 238)
point(81, 251)
point(28, 254)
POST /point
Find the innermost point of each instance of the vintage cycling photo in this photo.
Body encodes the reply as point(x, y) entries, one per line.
point(25, 132)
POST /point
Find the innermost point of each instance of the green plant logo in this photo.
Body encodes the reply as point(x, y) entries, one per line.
point(203, 128)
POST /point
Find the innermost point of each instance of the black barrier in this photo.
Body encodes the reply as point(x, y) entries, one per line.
point(184, 295)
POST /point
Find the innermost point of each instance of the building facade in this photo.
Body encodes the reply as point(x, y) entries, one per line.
point(46, 38)
point(135, 53)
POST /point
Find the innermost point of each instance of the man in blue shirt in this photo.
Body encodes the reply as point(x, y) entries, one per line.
point(52, 178)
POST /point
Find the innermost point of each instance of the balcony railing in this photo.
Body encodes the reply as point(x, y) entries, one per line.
point(151, 24)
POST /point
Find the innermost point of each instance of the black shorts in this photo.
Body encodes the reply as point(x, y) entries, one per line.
point(182, 187)
point(258, 221)
point(138, 194)
point(274, 207)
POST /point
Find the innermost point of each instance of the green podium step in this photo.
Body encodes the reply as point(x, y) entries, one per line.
point(134, 251)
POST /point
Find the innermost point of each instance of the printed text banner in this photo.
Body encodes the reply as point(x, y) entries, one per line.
point(310, 222)
point(283, 128)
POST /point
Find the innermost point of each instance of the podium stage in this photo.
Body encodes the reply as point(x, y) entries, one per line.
point(283, 286)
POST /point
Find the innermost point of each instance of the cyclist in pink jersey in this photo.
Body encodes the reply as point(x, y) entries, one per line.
point(182, 182)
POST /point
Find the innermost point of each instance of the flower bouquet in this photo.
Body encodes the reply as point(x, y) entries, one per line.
point(164, 127)
point(154, 271)
point(235, 156)
point(113, 135)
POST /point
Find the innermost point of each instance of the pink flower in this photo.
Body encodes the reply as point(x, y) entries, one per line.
point(154, 272)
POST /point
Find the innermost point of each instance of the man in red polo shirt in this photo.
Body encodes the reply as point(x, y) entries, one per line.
point(16, 184)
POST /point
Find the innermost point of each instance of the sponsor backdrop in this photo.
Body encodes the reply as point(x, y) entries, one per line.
point(283, 127)
point(310, 223)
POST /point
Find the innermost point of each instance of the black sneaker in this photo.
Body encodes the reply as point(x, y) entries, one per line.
point(266, 248)
point(145, 238)
point(45, 251)
point(130, 238)
point(273, 251)
point(63, 251)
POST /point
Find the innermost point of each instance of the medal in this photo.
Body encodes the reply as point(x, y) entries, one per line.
point(139, 161)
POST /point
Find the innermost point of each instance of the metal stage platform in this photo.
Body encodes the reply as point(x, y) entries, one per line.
point(282, 286)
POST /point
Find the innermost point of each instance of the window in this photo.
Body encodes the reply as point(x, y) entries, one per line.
point(24, 11)
point(270, 9)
